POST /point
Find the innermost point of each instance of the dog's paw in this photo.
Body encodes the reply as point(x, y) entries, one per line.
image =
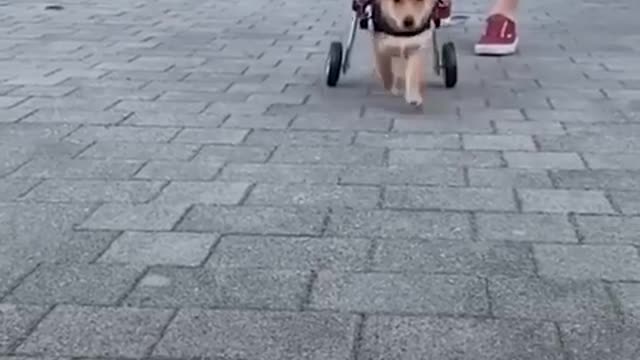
point(413, 99)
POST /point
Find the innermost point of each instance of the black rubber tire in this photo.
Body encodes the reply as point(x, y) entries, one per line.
point(449, 65)
point(334, 63)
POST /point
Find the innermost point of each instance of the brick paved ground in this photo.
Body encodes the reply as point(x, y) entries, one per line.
point(176, 182)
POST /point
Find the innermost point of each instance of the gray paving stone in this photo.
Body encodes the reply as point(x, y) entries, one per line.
point(97, 332)
point(341, 155)
point(525, 227)
point(628, 201)
point(597, 179)
point(76, 284)
point(610, 229)
point(178, 171)
point(15, 322)
point(528, 127)
point(152, 216)
point(11, 189)
point(299, 253)
point(400, 293)
point(13, 115)
point(408, 140)
point(564, 201)
point(550, 299)
point(453, 258)
point(509, 178)
point(413, 338)
point(208, 193)
point(498, 142)
point(79, 247)
point(257, 122)
point(613, 263)
point(254, 220)
point(55, 190)
point(402, 175)
point(299, 138)
point(233, 154)
point(79, 169)
point(449, 158)
point(399, 224)
point(438, 198)
point(160, 248)
point(324, 122)
point(226, 288)
point(174, 119)
point(543, 161)
point(259, 335)
point(596, 143)
point(138, 151)
point(612, 161)
point(481, 126)
point(211, 136)
point(316, 195)
point(193, 107)
point(88, 134)
point(600, 340)
point(281, 173)
point(74, 116)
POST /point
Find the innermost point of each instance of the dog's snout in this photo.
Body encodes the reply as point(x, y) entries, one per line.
point(408, 22)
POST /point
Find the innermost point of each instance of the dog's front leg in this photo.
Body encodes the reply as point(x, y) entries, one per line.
point(414, 77)
point(383, 64)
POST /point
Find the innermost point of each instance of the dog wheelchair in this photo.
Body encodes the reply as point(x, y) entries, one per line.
point(444, 60)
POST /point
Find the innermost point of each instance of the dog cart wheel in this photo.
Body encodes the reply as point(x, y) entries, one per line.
point(449, 64)
point(334, 63)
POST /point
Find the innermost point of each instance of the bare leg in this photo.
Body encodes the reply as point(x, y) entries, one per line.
point(507, 8)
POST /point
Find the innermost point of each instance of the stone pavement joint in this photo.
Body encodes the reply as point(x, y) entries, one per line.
point(177, 182)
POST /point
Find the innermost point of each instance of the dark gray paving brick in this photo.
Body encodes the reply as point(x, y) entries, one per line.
point(498, 142)
point(97, 332)
point(525, 227)
point(192, 107)
point(509, 178)
point(299, 138)
point(228, 288)
point(601, 340)
point(610, 229)
point(210, 193)
point(450, 158)
point(528, 127)
point(564, 201)
point(453, 258)
point(95, 191)
point(75, 284)
point(79, 169)
point(627, 201)
point(414, 338)
point(342, 155)
point(13, 115)
point(152, 216)
point(259, 335)
point(15, 322)
point(254, 220)
point(211, 136)
point(164, 248)
point(399, 224)
point(263, 122)
point(590, 143)
point(550, 299)
point(597, 179)
point(400, 293)
point(302, 253)
point(403, 174)
point(408, 140)
point(543, 160)
point(481, 126)
point(11, 189)
point(629, 297)
point(233, 154)
point(281, 173)
point(324, 122)
point(438, 198)
point(613, 263)
point(138, 151)
point(316, 195)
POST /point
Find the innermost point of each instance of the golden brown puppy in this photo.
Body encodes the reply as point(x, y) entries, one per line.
point(399, 58)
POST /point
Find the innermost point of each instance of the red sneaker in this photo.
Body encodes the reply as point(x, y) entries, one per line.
point(500, 37)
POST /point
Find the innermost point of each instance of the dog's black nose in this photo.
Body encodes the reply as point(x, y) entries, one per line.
point(408, 22)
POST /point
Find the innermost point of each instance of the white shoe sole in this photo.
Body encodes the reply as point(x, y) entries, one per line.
point(506, 49)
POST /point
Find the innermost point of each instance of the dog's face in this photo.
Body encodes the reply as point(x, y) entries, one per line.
point(406, 15)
